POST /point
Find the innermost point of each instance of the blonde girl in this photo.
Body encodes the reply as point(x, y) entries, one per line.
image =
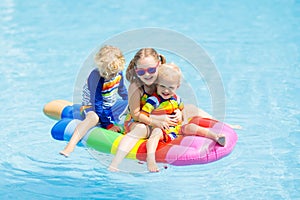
point(141, 73)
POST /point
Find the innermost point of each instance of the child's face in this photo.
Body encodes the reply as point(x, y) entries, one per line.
point(167, 88)
point(146, 69)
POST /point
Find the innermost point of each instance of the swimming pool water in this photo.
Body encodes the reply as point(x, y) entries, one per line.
point(255, 48)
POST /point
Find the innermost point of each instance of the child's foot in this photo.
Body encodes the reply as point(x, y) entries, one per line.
point(113, 169)
point(238, 127)
point(64, 153)
point(221, 140)
point(152, 167)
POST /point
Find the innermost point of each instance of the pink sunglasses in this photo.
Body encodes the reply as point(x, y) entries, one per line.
point(150, 70)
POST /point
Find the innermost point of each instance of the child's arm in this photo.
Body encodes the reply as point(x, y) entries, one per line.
point(178, 115)
point(95, 84)
point(134, 94)
point(105, 115)
point(135, 105)
point(145, 117)
point(151, 104)
point(122, 91)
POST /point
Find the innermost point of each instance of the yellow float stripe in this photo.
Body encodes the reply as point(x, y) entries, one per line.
point(132, 153)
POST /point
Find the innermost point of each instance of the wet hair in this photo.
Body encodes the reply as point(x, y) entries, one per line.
point(169, 71)
point(131, 75)
point(109, 60)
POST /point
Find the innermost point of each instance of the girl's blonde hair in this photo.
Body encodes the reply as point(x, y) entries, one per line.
point(131, 75)
point(110, 60)
point(169, 71)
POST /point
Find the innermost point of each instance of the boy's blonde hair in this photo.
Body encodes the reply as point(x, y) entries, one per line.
point(109, 60)
point(169, 71)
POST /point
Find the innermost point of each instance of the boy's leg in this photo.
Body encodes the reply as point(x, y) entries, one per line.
point(82, 128)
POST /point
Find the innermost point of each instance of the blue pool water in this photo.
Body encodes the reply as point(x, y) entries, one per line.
point(254, 46)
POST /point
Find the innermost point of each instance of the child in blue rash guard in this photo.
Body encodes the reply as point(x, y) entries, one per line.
point(100, 103)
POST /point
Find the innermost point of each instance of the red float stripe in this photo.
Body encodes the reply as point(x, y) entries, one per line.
point(204, 122)
point(160, 154)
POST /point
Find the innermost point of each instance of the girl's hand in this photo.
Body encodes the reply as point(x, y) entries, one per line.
point(160, 124)
point(163, 121)
point(177, 117)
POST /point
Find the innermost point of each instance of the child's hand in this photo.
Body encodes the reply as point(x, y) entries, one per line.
point(160, 121)
point(160, 124)
point(177, 117)
point(115, 128)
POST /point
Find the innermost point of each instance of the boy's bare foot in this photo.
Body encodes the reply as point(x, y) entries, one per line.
point(152, 167)
point(221, 140)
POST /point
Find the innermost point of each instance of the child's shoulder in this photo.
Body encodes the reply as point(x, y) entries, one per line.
point(95, 73)
point(134, 88)
point(176, 97)
point(154, 100)
point(94, 70)
point(94, 76)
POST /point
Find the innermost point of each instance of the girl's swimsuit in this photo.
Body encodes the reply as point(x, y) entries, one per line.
point(129, 120)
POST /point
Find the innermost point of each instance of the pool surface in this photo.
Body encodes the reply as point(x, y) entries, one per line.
point(255, 47)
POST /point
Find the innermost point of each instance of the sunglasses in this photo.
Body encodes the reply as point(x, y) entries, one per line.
point(150, 70)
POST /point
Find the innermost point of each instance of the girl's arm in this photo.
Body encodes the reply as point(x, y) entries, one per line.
point(134, 96)
point(162, 121)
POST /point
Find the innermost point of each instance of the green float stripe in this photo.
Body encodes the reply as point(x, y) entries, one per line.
point(101, 139)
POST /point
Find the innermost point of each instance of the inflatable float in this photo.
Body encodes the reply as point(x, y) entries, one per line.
point(188, 150)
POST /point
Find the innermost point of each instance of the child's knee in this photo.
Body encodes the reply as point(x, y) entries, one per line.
point(157, 133)
point(92, 117)
point(189, 128)
point(140, 130)
point(140, 127)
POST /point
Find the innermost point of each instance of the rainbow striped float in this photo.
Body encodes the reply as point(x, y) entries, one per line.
point(188, 150)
